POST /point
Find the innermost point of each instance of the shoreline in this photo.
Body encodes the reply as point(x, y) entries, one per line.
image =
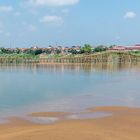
point(123, 124)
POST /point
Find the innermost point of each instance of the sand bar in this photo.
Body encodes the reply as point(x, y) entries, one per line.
point(124, 124)
point(50, 114)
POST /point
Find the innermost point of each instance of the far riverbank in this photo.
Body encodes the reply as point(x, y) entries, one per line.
point(102, 57)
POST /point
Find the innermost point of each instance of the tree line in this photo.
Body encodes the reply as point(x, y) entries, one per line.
point(86, 49)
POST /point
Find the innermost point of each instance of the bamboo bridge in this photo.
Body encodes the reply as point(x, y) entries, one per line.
point(101, 57)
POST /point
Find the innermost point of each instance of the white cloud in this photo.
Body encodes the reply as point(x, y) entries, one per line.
point(52, 2)
point(51, 19)
point(6, 9)
point(130, 15)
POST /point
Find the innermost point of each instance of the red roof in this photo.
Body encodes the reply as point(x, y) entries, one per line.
point(118, 48)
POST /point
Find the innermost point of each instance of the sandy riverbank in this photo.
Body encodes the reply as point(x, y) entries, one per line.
point(124, 124)
point(50, 114)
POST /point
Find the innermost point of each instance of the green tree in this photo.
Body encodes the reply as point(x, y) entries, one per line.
point(48, 51)
point(87, 49)
point(17, 51)
point(38, 51)
point(111, 46)
point(100, 48)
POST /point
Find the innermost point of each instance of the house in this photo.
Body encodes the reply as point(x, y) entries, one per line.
point(134, 48)
point(118, 48)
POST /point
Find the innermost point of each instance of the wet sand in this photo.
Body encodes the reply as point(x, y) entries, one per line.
point(50, 114)
point(124, 124)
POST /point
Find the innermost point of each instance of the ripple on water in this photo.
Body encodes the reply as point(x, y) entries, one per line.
point(42, 120)
point(89, 115)
point(76, 116)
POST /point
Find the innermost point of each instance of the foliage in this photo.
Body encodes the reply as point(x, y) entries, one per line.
point(87, 49)
point(112, 46)
point(48, 51)
point(73, 51)
point(135, 52)
point(100, 48)
point(18, 56)
point(56, 56)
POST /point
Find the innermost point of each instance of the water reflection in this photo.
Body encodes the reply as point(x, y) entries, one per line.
point(87, 68)
point(64, 87)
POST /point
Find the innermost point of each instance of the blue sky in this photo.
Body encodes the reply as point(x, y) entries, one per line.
point(24, 23)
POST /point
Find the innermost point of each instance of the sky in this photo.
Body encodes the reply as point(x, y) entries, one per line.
point(25, 23)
